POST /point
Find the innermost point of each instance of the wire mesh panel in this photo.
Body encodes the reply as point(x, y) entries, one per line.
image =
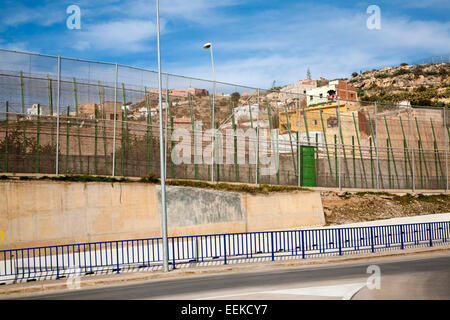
point(430, 145)
point(27, 104)
point(84, 117)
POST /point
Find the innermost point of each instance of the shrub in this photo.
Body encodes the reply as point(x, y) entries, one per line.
point(421, 88)
point(354, 74)
point(430, 73)
point(400, 72)
point(235, 96)
point(417, 71)
point(381, 75)
point(150, 178)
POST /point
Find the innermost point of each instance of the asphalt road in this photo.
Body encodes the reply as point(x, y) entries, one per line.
point(425, 276)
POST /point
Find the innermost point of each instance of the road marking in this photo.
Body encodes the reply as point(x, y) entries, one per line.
point(344, 291)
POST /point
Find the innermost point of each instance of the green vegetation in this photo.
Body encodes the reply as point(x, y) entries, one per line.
point(431, 73)
point(235, 96)
point(381, 75)
point(421, 96)
point(84, 178)
point(152, 179)
point(253, 189)
point(400, 72)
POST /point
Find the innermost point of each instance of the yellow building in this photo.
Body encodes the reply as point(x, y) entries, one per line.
point(312, 117)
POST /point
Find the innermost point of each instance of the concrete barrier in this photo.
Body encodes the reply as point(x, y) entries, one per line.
point(40, 213)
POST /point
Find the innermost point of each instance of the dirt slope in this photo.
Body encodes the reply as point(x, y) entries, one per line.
point(341, 208)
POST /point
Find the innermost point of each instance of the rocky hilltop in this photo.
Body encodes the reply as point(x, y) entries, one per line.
point(422, 85)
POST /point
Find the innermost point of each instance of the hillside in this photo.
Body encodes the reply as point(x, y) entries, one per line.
point(343, 207)
point(423, 85)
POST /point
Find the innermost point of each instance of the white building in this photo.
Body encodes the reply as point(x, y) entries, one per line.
point(330, 92)
point(33, 111)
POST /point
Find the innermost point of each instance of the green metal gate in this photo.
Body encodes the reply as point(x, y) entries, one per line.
point(308, 166)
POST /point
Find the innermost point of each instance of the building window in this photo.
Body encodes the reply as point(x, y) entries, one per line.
point(311, 98)
point(315, 122)
point(332, 122)
point(321, 95)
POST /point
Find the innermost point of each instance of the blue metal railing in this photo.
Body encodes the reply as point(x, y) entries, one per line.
point(55, 262)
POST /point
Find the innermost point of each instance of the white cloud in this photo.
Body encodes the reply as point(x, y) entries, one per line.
point(332, 42)
point(19, 14)
point(435, 4)
point(15, 46)
point(198, 11)
point(121, 36)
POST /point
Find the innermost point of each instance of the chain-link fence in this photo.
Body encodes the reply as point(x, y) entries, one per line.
point(68, 116)
point(434, 60)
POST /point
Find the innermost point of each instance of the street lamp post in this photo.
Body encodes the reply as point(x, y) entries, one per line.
point(165, 245)
point(213, 129)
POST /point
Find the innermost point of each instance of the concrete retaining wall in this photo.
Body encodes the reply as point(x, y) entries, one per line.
point(38, 213)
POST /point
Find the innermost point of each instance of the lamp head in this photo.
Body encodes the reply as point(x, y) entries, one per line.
point(207, 45)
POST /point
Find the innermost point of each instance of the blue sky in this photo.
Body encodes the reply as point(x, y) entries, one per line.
point(255, 42)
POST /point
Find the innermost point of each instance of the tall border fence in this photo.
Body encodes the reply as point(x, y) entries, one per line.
point(56, 262)
point(69, 116)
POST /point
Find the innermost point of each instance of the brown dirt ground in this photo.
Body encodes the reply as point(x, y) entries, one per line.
point(341, 208)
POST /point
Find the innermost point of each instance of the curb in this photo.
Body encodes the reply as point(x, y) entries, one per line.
point(91, 282)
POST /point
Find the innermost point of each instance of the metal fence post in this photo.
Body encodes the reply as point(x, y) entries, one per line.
point(339, 145)
point(376, 148)
point(412, 150)
point(196, 249)
point(303, 244)
point(117, 256)
point(401, 237)
point(173, 252)
point(298, 140)
point(273, 249)
point(430, 234)
point(57, 265)
point(57, 115)
point(257, 141)
point(225, 249)
point(213, 130)
point(446, 148)
point(114, 122)
point(371, 240)
point(340, 244)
